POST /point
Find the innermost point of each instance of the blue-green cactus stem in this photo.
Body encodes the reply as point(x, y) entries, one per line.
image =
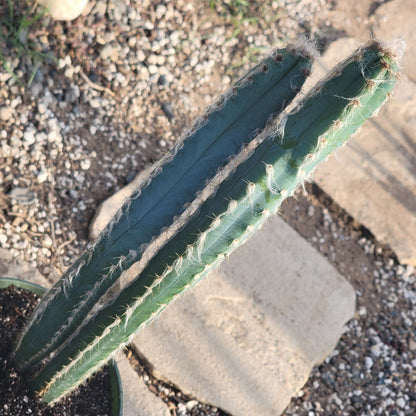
point(279, 161)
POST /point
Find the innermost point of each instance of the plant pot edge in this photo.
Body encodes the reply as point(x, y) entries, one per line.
point(115, 379)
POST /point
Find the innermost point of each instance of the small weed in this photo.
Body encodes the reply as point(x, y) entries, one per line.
point(247, 17)
point(236, 12)
point(16, 39)
point(245, 12)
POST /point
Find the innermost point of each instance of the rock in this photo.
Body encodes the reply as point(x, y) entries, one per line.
point(29, 136)
point(42, 176)
point(395, 21)
point(100, 7)
point(373, 177)
point(3, 238)
point(168, 110)
point(85, 164)
point(23, 196)
point(64, 9)
point(109, 51)
point(10, 267)
point(162, 80)
point(138, 400)
point(72, 94)
point(116, 9)
point(246, 338)
point(6, 113)
point(47, 241)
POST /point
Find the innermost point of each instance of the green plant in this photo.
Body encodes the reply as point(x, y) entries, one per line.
point(202, 201)
point(14, 33)
point(238, 13)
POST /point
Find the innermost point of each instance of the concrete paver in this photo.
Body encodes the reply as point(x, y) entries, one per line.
point(395, 20)
point(246, 338)
point(10, 267)
point(138, 400)
point(374, 176)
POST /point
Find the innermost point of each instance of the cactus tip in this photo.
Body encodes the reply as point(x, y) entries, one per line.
point(304, 47)
point(394, 49)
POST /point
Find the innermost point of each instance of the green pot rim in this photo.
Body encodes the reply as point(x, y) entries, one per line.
point(115, 380)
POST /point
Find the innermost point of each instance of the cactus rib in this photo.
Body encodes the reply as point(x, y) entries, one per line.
point(285, 154)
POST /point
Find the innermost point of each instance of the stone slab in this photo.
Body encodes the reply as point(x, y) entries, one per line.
point(396, 20)
point(10, 267)
point(138, 400)
point(246, 338)
point(374, 176)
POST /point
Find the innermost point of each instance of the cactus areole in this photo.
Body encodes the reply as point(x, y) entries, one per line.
point(204, 199)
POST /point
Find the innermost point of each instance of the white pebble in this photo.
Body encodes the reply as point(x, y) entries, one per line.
point(42, 176)
point(3, 238)
point(401, 402)
point(85, 164)
point(47, 241)
point(6, 113)
point(191, 404)
point(375, 350)
point(368, 363)
point(69, 72)
point(42, 108)
point(95, 103)
point(29, 137)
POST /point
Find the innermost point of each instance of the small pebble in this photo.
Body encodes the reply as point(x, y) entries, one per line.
point(368, 363)
point(42, 176)
point(6, 113)
point(401, 403)
point(85, 164)
point(168, 110)
point(23, 196)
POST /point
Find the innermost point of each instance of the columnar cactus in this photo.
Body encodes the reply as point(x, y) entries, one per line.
point(204, 200)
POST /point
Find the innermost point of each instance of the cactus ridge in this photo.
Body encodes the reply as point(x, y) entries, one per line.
point(226, 127)
point(283, 155)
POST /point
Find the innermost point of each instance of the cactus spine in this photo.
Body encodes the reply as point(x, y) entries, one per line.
point(232, 205)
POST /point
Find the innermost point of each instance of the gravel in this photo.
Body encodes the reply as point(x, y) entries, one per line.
point(372, 370)
point(129, 78)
